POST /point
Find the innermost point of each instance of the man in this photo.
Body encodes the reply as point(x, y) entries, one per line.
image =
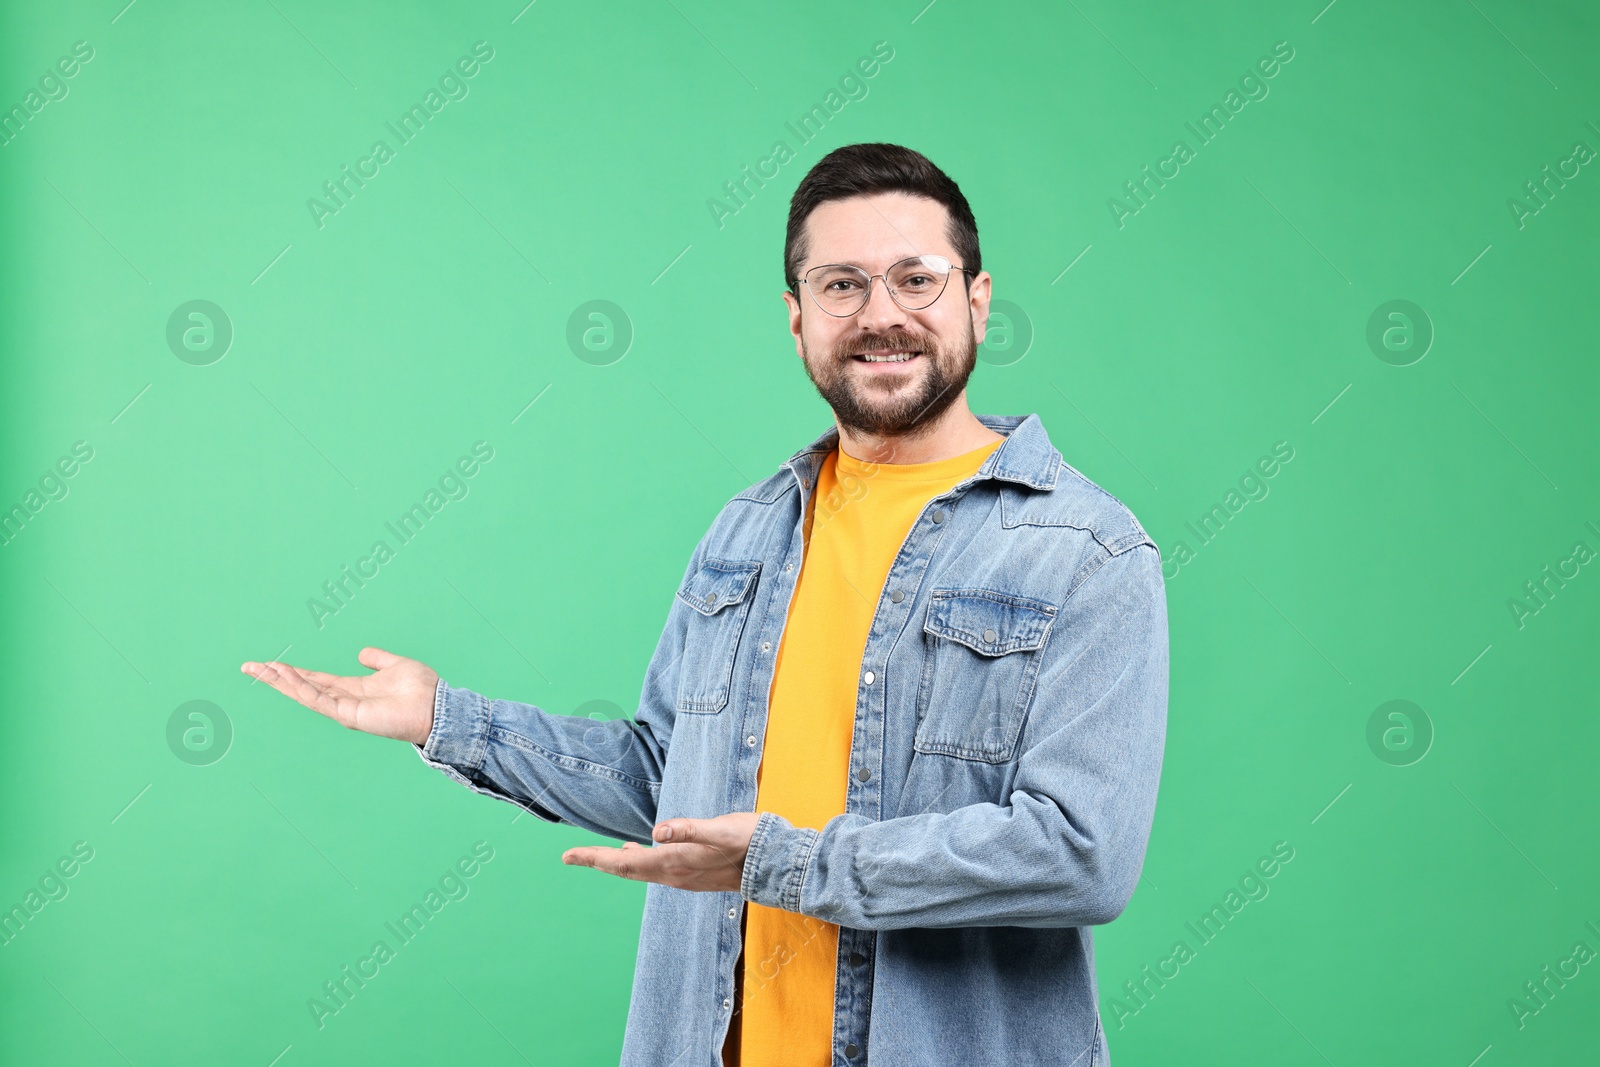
point(899, 744)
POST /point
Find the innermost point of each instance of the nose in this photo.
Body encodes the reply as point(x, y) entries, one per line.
point(881, 313)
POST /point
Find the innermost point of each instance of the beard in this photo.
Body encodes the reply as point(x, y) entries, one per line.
point(899, 404)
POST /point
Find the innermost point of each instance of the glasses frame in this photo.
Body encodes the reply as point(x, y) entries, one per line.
point(802, 283)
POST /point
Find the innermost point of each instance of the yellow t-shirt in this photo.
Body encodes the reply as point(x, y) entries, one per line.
point(859, 516)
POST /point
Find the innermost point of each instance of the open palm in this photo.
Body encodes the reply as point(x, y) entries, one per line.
point(395, 701)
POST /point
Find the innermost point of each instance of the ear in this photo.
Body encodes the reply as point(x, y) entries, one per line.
point(978, 300)
point(794, 321)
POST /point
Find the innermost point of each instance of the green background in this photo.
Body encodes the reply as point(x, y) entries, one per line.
point(1230, 313)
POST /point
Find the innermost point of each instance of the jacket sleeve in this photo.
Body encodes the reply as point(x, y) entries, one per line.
point(603, 776)
point(1066, 847)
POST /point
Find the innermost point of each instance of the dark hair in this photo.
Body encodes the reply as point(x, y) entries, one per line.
point(863, 169)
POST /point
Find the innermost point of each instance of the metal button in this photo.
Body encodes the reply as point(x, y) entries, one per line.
point(863, 774)
point(751, 740)
point(788, 567)
point(711, 598)
point(938, 514)
point(726, 1003)
point(732, 912)
point(869, 677)
point(851, 1050)
point(989, 636)
point(896, 595)
point(766, 646)
point(857, 959)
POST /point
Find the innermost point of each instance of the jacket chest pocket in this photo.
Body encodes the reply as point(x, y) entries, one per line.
point(983, 650)
point(720, 593)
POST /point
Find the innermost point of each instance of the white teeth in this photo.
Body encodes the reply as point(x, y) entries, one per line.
point(898, 357)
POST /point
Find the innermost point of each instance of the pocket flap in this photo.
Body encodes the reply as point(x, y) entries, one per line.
point(718, 583)
point(989, 622)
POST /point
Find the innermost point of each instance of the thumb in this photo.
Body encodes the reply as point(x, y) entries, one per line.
point(677, 831)
point(377, 658)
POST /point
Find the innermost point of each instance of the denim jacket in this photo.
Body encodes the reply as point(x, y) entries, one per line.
point(1006, 752)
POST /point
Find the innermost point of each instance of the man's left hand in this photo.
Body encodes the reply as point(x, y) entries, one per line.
point(705, 855)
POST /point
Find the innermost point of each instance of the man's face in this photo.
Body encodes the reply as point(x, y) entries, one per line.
point(887, 399)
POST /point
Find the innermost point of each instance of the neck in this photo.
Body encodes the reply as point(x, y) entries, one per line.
point(952, 434)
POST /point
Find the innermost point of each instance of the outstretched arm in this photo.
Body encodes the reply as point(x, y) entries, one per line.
point(603, 776)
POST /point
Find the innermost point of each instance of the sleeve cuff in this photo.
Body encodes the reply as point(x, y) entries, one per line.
point(775, 864)
point(460, 734)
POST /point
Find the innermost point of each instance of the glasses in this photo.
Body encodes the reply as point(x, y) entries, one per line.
point(842, 290)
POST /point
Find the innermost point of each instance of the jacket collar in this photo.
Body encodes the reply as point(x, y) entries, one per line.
point(1025, 456)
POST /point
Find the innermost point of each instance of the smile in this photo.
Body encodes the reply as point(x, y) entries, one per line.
point(888, 357)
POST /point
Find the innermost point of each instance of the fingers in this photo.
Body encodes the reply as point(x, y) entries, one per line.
point(289, 681)
point(632, 860)
point(609, 860)
point(679, 866)
point(265, 672)
point(325, 679)
point(292, 684)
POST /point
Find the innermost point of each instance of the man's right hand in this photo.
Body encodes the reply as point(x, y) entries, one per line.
point(396, 701)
